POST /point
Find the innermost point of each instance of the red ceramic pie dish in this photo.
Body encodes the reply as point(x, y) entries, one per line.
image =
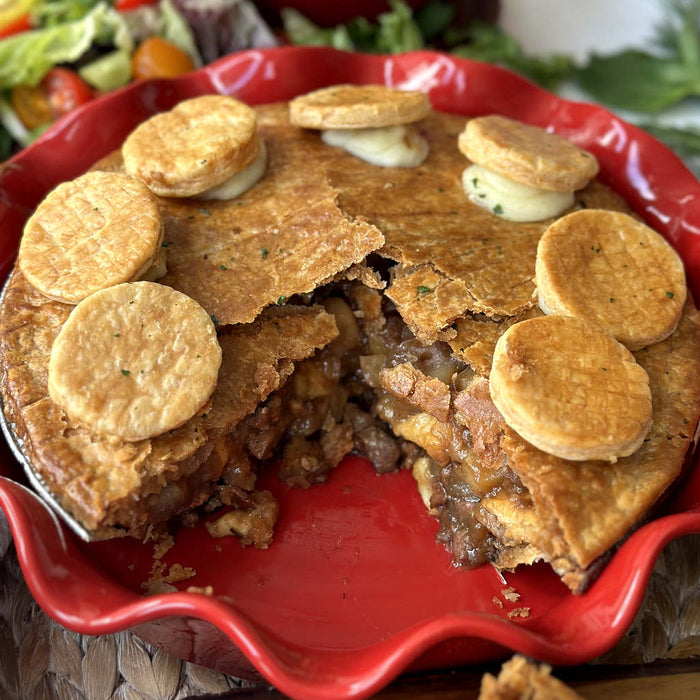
point(354, 589)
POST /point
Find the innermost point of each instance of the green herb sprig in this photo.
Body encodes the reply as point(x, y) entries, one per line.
point(645, 81)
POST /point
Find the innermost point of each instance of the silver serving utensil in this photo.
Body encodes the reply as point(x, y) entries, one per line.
point(37, 483)
point(17, 446)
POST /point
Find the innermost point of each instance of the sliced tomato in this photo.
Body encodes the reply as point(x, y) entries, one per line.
point(157, 58)
point(126, 5)
point(22, 24)
point(31, 106)
point(65, 90)
point(14, 16)
point(60, 91)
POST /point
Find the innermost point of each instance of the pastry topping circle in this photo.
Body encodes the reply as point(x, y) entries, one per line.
point(100, 229)
point(358, 107)
point(527, 154)
point(193, 147)
point(611, 269)
point(570, 389)
point(135, 360)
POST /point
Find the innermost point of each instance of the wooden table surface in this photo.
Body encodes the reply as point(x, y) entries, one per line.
point(659, 656)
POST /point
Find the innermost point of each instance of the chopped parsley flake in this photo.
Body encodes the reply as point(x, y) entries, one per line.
point(166, 244)
point(498, 209)
point(612, 300)
point(264, 252)
point(223, 267)
point(475, 181)
point(214, 320)
point(441, 189)
point(281, 300)
point(669, 295)
point(126, 372)
point(423, 290)
point(204, 211)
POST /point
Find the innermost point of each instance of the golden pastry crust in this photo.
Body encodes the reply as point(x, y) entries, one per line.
point(193, 147)
point(134, 361)
point(418, 217)
point(475, 338)
point(527, 154)
point(429, 224)
point(428, 300)
point(571, 389)
point(586, 507)
point(579, 510)
point(258, 359)
point(417, 390)
point(358, 107)
point(611, 269)
point(98, 230)
point(112, 486)
point(285, 236)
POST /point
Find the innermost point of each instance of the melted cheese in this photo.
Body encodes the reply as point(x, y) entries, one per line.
point(512, 200)
point(389, 146)
point(241, 181)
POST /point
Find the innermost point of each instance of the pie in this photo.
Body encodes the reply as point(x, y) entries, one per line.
point(357, 309)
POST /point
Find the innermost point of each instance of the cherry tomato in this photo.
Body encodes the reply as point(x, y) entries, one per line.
point(60, 91)
point(65, 90)
point(30, 106)
point(126, 5)
point(158, 58)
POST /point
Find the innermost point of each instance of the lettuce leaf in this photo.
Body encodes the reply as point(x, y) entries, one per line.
point(394, 31)
point(25, 58)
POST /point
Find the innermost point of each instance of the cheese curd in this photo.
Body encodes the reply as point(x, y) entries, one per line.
point(242, 181)
point(389, 146)
point(512, 200)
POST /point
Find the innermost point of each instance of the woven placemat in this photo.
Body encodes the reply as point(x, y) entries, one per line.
point(40, 659)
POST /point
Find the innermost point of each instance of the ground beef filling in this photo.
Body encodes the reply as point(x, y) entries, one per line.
point(337, 403)
point(454, 475)
point(304, 431)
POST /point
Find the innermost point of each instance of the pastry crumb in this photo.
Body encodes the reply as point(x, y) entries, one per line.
point(510, 594)
point(162, 546)
point(204, 590)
